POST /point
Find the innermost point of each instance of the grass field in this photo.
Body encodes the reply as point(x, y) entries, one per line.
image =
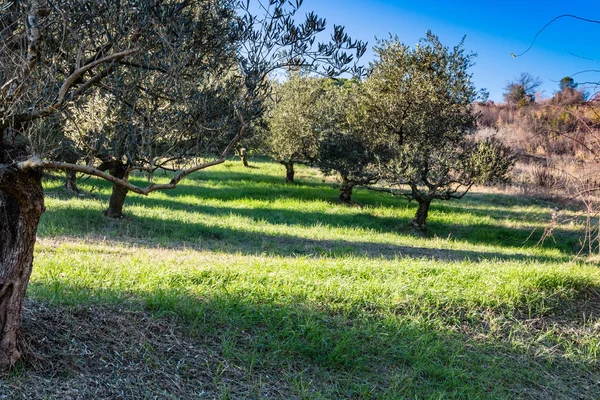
point(237, 285)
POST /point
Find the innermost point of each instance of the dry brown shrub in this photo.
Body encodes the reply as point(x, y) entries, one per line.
point(547, 178)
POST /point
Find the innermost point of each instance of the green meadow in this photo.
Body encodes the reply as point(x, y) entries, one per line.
point(237, 285)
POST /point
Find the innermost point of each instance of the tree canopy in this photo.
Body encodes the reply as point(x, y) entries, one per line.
point(292, 134)
point(521, 90)
point(134, 85)
point(347, 145)
point(423, 97)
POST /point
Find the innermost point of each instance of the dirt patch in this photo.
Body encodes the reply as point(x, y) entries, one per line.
point(110, 353)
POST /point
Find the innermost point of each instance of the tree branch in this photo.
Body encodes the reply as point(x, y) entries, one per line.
point(68, 83)
point(37, 163)
point(550, 23)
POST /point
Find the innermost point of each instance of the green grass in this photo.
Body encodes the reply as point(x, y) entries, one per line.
point(329, 301)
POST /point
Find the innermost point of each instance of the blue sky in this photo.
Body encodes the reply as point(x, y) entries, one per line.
point(493, 29)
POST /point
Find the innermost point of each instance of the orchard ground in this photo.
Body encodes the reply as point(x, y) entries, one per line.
point(237, 285)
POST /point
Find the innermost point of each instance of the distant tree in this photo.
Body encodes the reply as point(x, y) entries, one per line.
point(567, 82)
point(522, 89)
point(426, 94)
point(347, 145)
point(292, 136)
point(568, 95)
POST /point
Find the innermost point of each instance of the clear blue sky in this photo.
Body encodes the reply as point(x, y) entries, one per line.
point(493, 29)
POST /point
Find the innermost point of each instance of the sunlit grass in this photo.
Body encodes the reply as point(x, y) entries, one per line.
point(337, 301)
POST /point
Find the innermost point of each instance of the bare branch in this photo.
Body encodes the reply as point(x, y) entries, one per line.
point(224, 154)
point(67, 85)
point(550, 23)
point(79, 72)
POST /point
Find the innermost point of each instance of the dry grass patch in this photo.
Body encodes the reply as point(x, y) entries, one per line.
point(99, 352)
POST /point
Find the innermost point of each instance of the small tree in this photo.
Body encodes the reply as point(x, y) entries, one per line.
point(567, 82)
point(426, 94)
point(292, 136)
point(568, 95)
point(522, 89)
point(346, 145)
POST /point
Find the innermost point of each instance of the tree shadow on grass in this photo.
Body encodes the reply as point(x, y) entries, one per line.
point(235, 185)
point(243, 187)
point(364, 198)
point(278, 342)
point(87, 221)
point(267, 189)
point(151, 232)
point(263, 187)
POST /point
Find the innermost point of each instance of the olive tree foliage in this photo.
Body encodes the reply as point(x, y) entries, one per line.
point(422, 99)
point(273, 41)
point(346, 145)
point(54, 55)
point(291, 135)
point(183, 102)
point(150, 62)
point(137, 85)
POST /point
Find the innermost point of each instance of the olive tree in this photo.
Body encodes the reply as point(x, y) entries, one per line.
point(53, 55)
point(346, 143)
point(160, 66)
point(423, 97)
point(291, 135)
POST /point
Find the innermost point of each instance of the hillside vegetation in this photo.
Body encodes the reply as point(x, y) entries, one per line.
point(556, 141)
point(237, 285)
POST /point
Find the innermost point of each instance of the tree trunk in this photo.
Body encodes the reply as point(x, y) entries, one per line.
point(21, 205)
point(419, 222)
point(244, 156)
point(346, 191)
point(117, 198)
point(71, 181)
point(289, 171)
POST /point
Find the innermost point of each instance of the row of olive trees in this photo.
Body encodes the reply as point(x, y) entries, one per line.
point(407, 127)
point(132, 85)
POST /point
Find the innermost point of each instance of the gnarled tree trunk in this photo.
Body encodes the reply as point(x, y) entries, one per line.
point(71, 181)
point(117, 198)
point(346, 191)
point(289, 171)
point(21, 205)
point(420, 220)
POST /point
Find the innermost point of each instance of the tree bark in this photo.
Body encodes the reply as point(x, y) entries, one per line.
point(117, 198)
point(244, 156)
point(346, 191)
point(21, 205)
point(71, 181)
point(420, 220)
point(289, 171)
